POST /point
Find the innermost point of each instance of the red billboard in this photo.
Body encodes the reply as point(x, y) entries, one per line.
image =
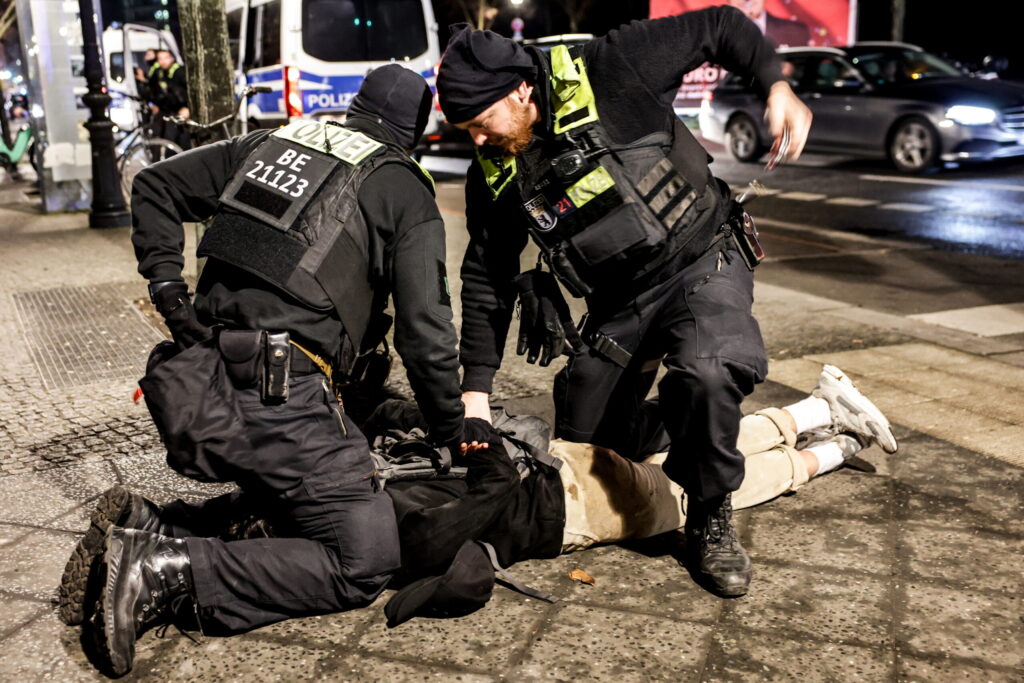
point(784, 22)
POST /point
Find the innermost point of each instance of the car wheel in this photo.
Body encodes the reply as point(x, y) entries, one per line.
point(914, 146)
point(743, 139)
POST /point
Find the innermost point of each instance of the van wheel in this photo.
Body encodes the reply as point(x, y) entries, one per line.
point(914, 145)
point(743, 139)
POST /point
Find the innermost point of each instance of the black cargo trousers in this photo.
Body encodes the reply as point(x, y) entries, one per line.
point(698, 323)
point(317, 483)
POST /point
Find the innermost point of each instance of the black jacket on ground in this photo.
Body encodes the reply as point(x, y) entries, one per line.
point(646, 56)
point(407, 245)
point(522, 518)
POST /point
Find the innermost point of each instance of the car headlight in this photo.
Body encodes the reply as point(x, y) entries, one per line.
point(967, 115)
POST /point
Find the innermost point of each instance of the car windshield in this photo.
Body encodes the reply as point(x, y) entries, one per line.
point(902, 65)
point(363, 30)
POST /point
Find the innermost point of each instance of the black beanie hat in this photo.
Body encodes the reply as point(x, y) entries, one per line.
point(396, 98)
point(479, 68)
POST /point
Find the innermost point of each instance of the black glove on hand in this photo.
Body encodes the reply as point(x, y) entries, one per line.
point(171, 300)
point(481, 431)
point(474, 429)
point(545, 323)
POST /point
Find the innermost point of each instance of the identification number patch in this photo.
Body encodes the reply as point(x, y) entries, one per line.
point(278, 181)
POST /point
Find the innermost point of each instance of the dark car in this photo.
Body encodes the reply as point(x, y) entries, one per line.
point(878, 99)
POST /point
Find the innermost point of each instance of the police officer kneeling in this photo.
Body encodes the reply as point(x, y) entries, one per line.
point(313, 227)
point(580, 151)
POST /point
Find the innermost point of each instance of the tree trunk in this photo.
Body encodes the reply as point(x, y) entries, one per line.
point(204, 34)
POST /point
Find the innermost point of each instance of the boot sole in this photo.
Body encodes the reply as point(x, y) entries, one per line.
point(103, 627)
point(112, 507)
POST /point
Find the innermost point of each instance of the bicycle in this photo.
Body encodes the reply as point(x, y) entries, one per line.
point(140, 148)
point(24, 143)
point(146, 150)
point(203, 133)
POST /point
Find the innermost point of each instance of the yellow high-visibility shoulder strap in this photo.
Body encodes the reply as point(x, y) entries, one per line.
point(497, 173)
point(573, 99)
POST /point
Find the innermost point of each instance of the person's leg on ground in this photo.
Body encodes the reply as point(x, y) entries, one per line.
point(609, 498)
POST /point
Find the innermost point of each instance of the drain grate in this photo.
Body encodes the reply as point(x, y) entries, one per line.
point(80, 335)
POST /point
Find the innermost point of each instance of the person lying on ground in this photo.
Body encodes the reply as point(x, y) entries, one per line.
point(454, 530)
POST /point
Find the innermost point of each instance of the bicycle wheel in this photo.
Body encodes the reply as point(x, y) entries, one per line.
point(140, 155)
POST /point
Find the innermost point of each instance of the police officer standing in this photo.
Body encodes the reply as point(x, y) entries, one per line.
point(167, 89)
point(314, 225)
point(579, 149)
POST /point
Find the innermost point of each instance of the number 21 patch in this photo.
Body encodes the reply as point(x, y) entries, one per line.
point(277, 181)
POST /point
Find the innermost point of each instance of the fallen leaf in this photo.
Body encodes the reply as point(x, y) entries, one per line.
point(581, 576)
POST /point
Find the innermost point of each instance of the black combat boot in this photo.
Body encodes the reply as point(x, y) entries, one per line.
point(711, 539)
point(117, 506)
point(148, 582)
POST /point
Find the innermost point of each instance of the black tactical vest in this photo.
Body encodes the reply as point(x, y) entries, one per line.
point(290, 215)
point(601, 212)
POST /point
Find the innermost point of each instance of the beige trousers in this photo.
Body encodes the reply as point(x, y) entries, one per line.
point(609, 498)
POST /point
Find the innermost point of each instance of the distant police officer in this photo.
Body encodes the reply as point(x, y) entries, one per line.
point(579, 149)
point(167, 89)
point(313, 226)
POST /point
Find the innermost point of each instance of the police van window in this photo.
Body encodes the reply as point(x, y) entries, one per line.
point(363, 30)
point(270, 37)
point(234, 34)
point(117, 66)
point(251, 35)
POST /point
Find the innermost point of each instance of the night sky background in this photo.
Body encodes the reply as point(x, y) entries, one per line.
point(963, 29)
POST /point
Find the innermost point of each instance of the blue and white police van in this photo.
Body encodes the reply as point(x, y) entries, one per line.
point(314, 54)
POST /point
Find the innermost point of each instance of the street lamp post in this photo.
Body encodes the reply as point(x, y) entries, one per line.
point(108, 208)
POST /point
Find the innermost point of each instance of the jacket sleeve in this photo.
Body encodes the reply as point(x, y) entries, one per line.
point(659, 52)
point(184, 188)
point(402, 213)
point(496, 238)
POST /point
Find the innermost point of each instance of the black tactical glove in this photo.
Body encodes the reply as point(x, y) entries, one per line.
point(545, 323)
point(481, 431)
point(171, 300)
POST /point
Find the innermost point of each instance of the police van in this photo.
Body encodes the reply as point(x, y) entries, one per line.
point(314, 54)
point(124, 48)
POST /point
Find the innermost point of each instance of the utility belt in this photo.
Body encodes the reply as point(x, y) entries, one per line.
point(270, 359)
point(267, 359)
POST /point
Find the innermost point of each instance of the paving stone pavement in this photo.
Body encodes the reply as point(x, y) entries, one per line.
point(909, 573)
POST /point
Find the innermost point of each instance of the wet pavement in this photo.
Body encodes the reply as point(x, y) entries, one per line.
point(909, 573)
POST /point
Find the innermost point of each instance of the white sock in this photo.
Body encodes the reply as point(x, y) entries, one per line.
point(810, 413)
point(829, 455)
